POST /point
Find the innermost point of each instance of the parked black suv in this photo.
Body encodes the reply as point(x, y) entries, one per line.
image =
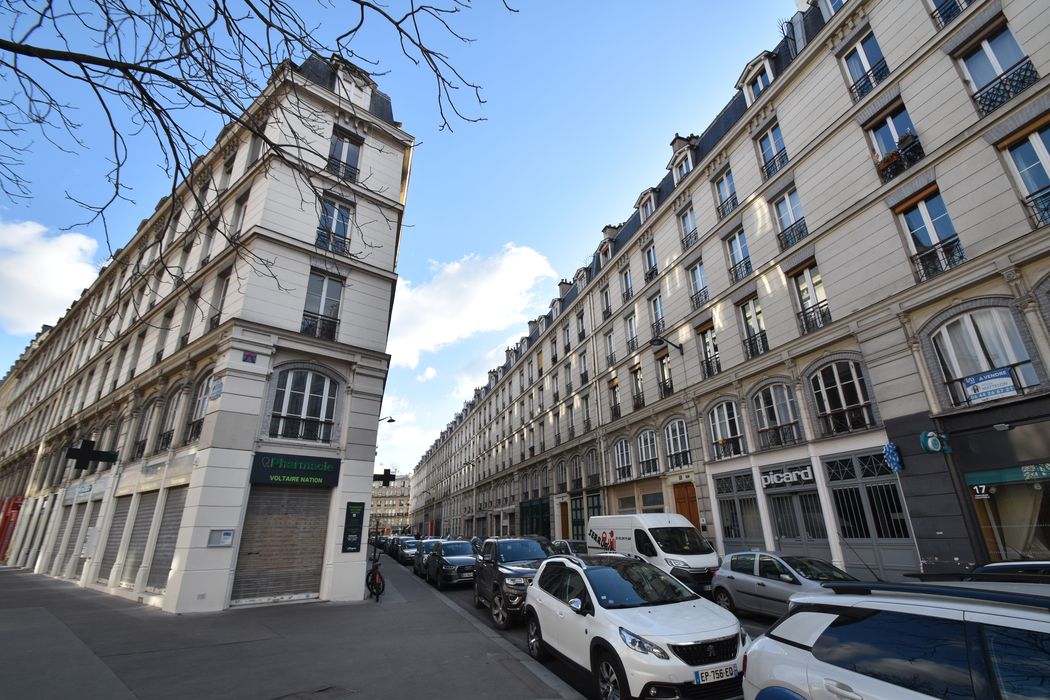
point(505, 568)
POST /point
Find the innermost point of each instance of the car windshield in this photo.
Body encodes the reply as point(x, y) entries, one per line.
point(429, 545)
point(521, 550)
point(411, 544)
point(681, 540)
point(456, 549)
point(633, 584)
point(578, 546)
point(817, 569)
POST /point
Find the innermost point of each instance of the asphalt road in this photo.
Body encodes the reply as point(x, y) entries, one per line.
point(463, 596)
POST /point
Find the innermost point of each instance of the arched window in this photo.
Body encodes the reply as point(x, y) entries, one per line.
point(776, 416)
point(983, 357)
point(304, 406)
point(677, 441)
point(623, 460)
point(560, 474)
point(167, 424)
point(195, 416)
point(593, 478)
point(726, 438)
point(576, 473)
point(841, 396)
point(648, 463)
point(146, 422)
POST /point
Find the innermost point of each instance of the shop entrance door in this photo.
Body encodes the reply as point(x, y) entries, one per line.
point(798, 525)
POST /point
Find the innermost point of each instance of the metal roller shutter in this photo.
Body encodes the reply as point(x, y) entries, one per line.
point(63, 520)
point(78, 520)
point(97, 507)
point(116, 531)
point(139, 535)
point(164, 552)
point(282, 544)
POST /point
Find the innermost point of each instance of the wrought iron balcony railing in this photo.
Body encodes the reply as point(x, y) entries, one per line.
point(319, 326)
point(772, 166)
point(1039, 204)
point(727, 447)
point(726, 206)
point(814, 317)
point(657, 327)
point(741, 270)
point(632, 344)
point(690, 238)
point(666, 388)
point(584, 377)
point(638, 400)
point(779, 436)
point(611, 359)
point(328, 240)
point(164, 441)
point(947, 11)
point(606, 313)
point(648, 466)
point(939, 258)
point(623, 473)
point(710, 366)
point(676, 460)
point(792, 234)
point(1014, 80)
point(298, 428)
point(909, 152)
point(343, 170)
point(867, 82)
point(614, 411)
point(193, 431)
point(699, 298)
point(981, 387)
point(846, 420)
point(755, 345)
point(627, 295)
point(650, 274)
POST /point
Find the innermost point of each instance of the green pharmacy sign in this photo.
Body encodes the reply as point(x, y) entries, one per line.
point(294, 470)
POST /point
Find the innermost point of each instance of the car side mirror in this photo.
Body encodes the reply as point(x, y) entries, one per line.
point(788, 578)
point(577, 606)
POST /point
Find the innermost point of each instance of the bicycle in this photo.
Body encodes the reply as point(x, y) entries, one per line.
point(374, 578)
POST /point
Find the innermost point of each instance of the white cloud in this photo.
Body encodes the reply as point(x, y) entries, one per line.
point(428, 374)
point(471, 295)
point(476, 372)
point(44, 273)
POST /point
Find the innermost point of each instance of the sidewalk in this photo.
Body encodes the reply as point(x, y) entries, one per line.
point(61, 641)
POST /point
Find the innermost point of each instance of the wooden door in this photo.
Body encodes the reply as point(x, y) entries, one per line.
point(685, 502)
point(565, 532)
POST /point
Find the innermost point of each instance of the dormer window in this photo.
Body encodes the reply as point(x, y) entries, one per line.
point(648, 207)
point(683, 167)
point(758, 84)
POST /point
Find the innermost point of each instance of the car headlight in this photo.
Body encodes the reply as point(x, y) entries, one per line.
point(449, 567)
point(641, 644)
point(677, 562)
point(515, 581)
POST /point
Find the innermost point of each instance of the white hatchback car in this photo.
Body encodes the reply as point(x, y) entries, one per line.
point(879, 641)
point(636, 629)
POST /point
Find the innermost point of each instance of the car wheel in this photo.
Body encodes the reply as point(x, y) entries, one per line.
point(723, 598)
point(610, 678)
point(537, 649)
point(498, 608)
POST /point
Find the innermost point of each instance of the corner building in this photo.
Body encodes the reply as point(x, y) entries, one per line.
point(852, 254)
point(233, 356)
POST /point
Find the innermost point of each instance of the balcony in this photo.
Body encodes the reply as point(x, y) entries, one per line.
point(213, 321)
point(657, 327)
point(566, 347)
point(710, 366)
point(651, 273)
point(627, 295)
point(557, 395)
point(581, 335)
point(939, 258)
point(690, 239)
point(845, 420)
point(666, 388)
point(741, 270)
point(557, 439)
point(779, 436)
point(568, 388)
point(623, 473)
point(342, 170)
point(319, 326)
point(587, 425)
point(184, 340)
point(140, 449)
point(775, 164)
point(792, 234)
point(1015, 80)
point(606, 313)
point(648, 466)
point(679, 459)
point(164, 441)
point(727, 447)
point(614, 411)
point(755, 345)
point(999, 383)
point(1039, 205)
point(699, 298)
point(577, 484)
point(298, 428)
point(867, 82)
point(726, 206)
point(947, 11)
point(572, 431)
point(632, 344)
point(814, 317)
point(326, 240)
point(638, 400)
point(584, 377)
point(611, 359)
point(909, 152)
point(562, 486)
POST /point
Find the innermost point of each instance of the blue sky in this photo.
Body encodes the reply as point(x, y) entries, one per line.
point(582, 100)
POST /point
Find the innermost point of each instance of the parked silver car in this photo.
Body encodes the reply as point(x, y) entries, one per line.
point(762, 582)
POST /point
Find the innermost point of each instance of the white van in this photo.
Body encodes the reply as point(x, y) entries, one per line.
point(666, 540)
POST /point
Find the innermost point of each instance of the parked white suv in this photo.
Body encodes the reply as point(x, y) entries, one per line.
point(636, 629)
point(878, 641)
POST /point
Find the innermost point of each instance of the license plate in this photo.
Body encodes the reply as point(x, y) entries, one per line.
point(714, 674)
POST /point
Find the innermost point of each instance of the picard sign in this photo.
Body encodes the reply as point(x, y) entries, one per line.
point(294, 470)
point(788, 477)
